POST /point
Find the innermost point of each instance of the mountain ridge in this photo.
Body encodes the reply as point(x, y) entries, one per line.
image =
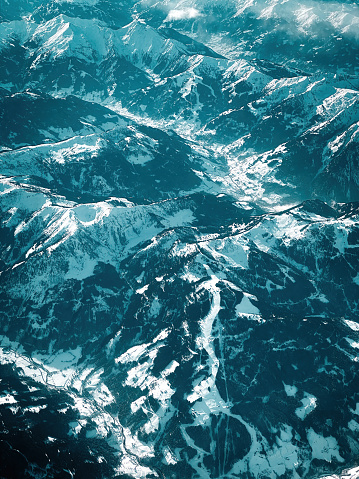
point(179, 239)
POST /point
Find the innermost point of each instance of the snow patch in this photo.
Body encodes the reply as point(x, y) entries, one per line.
point(352, 325)
point(246, 308)
point(143, 289)
point(180, 218)
point(290, 390)
point(169, 457)
point(353, 344)
point(8, 399)
point(80, 268)
point(138, 403)
point(323, 448)
point(309, 404)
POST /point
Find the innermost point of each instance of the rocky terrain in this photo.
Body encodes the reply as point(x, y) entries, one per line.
point(179, 268)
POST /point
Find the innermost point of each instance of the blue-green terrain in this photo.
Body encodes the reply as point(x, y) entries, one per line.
point(179, 239)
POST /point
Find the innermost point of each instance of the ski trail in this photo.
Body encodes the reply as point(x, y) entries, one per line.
point(207, 400)
point(206, 392)
point(205, 397)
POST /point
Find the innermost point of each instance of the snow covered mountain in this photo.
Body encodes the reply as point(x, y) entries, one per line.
point(179, 269)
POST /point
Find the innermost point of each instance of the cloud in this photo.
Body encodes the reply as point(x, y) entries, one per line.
point(183, 14)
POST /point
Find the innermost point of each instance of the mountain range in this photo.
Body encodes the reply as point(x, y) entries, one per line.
point(179, 268)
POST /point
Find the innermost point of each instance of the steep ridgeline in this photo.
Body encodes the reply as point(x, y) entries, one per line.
point(179, 269)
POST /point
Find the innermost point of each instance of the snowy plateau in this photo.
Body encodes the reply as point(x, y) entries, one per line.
point(179, 239)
